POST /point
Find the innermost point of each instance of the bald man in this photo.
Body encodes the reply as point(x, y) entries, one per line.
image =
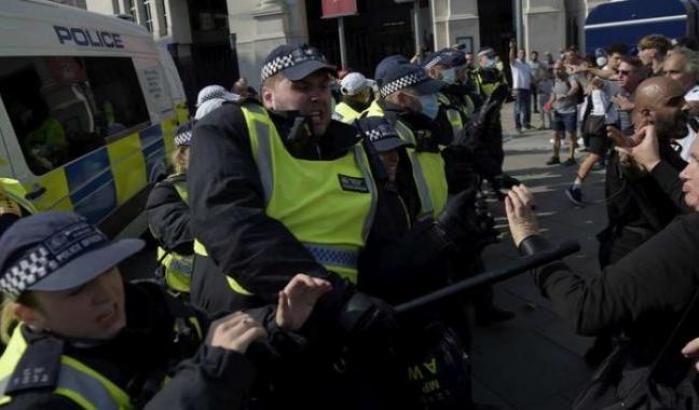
point(638, 204)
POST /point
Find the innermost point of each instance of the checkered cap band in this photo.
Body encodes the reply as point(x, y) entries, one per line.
point(50, 255)
point(402, 82)
point(297, 56)
point(433, 62)
point(382, 131)
point(183, 138)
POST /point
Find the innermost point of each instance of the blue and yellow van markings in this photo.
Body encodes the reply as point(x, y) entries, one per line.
point(91, 185)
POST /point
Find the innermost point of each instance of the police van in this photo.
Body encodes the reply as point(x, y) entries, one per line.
point(88, 109)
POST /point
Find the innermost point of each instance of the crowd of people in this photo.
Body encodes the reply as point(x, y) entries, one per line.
point(297, 218)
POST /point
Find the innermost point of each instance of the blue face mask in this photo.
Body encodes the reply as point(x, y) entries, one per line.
point(449, 76)
point(430, 105)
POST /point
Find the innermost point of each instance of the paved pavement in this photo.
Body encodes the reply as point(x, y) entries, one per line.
point(535, 360)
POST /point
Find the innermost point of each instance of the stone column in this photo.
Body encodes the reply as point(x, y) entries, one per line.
point(455, 21)
point(544, 25)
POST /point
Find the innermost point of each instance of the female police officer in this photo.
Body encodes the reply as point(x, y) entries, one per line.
point(168, 218)
point(86, 340)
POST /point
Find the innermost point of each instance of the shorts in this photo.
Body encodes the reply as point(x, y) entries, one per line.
point(565, 122)
point(598, 144)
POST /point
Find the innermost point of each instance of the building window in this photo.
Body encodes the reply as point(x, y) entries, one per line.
point(163, 25)
point(148, 15)
point(131, 9)
point(62, 108)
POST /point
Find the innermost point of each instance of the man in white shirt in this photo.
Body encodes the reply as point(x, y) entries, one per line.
point(521, 87)
point(682, 65)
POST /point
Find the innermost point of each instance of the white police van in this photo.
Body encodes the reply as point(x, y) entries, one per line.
point(88, 109)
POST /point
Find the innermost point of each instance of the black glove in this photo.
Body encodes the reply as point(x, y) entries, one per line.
point(457, 220)
point(366, 316)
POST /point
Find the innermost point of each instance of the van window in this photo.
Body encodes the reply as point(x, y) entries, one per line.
point(64, 107)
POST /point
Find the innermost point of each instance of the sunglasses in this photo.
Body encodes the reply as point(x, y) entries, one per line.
point(624, 72)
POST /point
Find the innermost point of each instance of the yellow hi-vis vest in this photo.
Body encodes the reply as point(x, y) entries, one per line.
point(345, 113)
point(15, 191)
point(87, 388)
point(374, 110)
point(328, 206)
point(453, 114)
point(178, 268)
point(428, 170)
point(429, 175)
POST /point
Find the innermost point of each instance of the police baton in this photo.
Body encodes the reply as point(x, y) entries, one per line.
point(487, 278)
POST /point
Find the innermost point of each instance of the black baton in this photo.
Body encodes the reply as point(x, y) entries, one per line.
point(486, 278)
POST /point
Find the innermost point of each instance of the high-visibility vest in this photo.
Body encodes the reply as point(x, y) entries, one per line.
point(15, 191)
point(345, 113)
point(76, 381)
point(428, 170)
point(453, 115)
point(374, 110)
point(178, 268)
point(429, 175)
point(327, 205)
point(488, 87)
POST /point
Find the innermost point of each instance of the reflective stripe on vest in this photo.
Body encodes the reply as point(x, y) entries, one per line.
point(428, 174)
point(346, 113)
point(332, 221)
point(76, 381)
point(17, 193)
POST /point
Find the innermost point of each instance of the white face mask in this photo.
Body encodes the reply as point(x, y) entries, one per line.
point(601, 61)
point(490, 63)
point(449, 76)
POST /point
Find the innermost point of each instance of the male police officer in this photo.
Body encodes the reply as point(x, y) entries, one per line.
point(278, 190)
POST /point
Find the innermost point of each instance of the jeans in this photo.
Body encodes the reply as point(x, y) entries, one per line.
point(523, 110)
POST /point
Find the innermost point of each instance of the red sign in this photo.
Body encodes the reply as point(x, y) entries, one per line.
point(339, 8)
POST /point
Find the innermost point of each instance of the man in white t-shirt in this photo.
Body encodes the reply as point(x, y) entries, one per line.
point(521, 87)
point(682, 65)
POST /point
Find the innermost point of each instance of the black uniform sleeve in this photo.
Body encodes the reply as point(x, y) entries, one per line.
point(228, 210)
point(659, 276)
point(214, 378)
point(668, 177)
point(169, 218)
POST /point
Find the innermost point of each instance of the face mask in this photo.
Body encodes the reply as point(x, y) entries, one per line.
point(430, 105)
point(601, 61)
point(449, 76)
point(490, 63)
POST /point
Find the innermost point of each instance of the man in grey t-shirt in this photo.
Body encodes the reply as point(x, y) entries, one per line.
point(563, 102)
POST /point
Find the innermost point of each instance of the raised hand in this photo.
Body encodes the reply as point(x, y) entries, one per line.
point(519, 205)
point(297, 300)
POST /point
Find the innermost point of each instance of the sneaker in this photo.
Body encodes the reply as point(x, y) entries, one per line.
point(553, 161)
point(518, 131)
point(569, 162)
point(574, 195)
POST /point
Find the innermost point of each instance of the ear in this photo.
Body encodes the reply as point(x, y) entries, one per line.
point(29, 315)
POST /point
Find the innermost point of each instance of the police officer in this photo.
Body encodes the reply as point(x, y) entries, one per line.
point(449, 66)
point(87, 340)
point(13, 203)
point(489, 79)
point(169, 218)
point(356, 91)
point(280, 189)
point(404, 259)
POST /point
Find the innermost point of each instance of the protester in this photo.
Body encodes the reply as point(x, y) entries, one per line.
point(563, 103)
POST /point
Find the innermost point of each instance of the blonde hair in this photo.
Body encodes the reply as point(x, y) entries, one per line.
point(8, 319)
point(179, 160)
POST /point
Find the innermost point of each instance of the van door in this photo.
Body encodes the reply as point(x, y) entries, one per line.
point(6, 170)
